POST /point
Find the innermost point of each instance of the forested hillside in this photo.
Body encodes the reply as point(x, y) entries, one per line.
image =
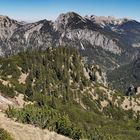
point(67, 95)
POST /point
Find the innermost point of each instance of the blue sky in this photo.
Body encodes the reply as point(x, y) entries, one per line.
point(33, 10)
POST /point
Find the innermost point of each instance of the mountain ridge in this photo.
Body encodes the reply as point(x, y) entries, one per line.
point(99, 45)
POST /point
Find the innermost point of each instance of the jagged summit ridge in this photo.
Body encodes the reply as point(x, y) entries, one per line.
point(72, 20)
point(108, 20)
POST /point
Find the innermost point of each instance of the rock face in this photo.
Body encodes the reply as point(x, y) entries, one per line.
point(128, 29)
point(76, 28)
point(7, 27)
point(71, 30)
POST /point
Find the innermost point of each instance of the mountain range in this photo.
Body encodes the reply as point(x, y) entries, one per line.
point(105, 41)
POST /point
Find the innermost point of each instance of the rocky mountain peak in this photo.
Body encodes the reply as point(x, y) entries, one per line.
point(70, 20)
point(68, 16)
point(7, 26)
point(5, 21)
point(43, 21)
point(3, 17)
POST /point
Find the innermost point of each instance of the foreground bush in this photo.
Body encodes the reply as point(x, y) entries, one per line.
point(45, 117)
